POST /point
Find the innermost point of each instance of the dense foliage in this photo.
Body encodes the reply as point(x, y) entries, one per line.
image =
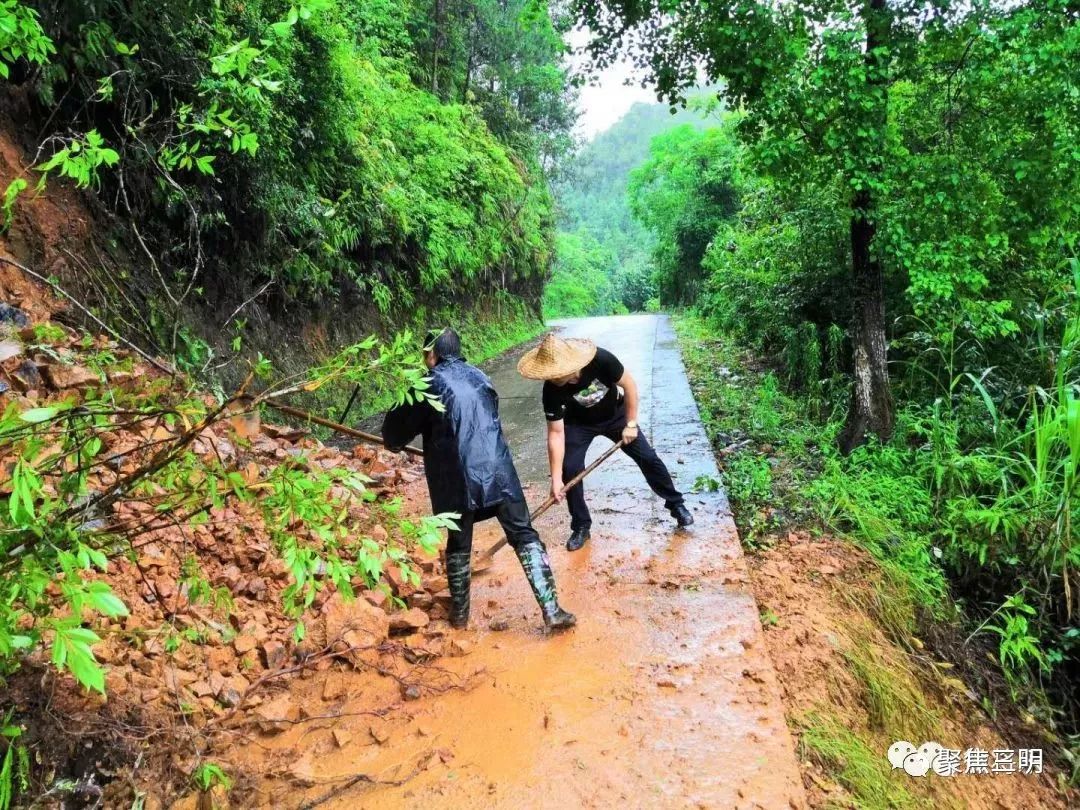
point(594, 209)
point(682, 194)
point(390, 154)
point(822, 85)
point(581, 282)
point(974, 178)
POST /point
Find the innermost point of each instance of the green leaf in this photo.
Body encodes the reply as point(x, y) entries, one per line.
point(37, 415)
point(105, 601)
point(71, 651)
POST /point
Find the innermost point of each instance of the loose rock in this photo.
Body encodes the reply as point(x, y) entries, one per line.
point(277, 714)
point(274, 654)
point(408, 621)
point(355, 626)
point(62, 377)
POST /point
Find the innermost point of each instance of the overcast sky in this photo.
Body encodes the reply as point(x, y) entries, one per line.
point(607, 98)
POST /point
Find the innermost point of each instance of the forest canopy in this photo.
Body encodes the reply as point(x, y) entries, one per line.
point(890, 220)
point(394, 153)
point(594, 207)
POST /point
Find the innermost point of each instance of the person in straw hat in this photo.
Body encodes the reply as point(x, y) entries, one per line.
point(587, 393)
point(470, 472)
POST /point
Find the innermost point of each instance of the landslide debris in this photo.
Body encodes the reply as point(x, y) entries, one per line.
point(257, 555)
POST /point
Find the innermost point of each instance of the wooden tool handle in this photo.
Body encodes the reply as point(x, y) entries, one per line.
point(573, 482)
point(348, 431)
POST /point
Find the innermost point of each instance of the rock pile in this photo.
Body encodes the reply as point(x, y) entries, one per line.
point(207, 640)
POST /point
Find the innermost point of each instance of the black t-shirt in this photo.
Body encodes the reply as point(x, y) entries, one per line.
point(593, 399)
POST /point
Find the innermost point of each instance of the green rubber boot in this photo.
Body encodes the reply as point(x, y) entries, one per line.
point(534, 560)
point(459, 575)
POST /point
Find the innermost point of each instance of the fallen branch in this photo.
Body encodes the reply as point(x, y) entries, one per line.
point(146, 356)
point(353, 781)
point(348, 431)
point(236, 311)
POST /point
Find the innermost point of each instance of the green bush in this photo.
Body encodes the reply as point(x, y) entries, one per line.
point(269, 141)
point(580, 283)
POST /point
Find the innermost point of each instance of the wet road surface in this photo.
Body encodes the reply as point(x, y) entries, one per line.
point(663, 696)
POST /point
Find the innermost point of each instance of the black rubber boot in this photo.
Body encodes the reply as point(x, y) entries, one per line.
point(682, 515)
point(534, 560)
point(459, 575)
point(578, 538)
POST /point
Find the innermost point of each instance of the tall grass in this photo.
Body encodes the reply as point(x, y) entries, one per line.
point(862, 770)
point(970, 510)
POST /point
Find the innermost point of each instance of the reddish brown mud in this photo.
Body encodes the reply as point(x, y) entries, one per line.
point(663, 696)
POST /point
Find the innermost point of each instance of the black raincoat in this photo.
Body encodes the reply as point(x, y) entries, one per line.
point(466, 459)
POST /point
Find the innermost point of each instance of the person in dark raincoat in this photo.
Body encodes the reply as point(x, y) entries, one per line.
point(469, 471)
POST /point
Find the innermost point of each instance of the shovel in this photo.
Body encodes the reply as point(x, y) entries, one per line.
point(484, 559)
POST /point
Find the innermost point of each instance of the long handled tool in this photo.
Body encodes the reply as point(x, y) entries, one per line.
point(348, 405)
point(370, 437)
point(348, 431)
point(573, 482)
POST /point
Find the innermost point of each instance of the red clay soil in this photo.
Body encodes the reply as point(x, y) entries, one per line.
point(504, 716)
point(819, 597)
point(185, 676)
point(48, 227)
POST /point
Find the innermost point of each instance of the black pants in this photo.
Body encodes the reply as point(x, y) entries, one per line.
point(578, 439)
point(513, 516)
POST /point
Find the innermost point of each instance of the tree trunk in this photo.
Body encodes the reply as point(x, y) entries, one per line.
point(435, 50)
point(871, 408)
point(469, 63)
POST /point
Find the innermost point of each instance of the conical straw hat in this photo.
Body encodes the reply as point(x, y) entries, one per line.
point(555, 357)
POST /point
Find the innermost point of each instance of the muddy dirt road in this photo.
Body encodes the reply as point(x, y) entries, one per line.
point(663, 696)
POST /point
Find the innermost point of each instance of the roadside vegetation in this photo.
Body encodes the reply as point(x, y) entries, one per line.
point(274, 161)
point(905, 636)
point(881, 265)
point(603, 256)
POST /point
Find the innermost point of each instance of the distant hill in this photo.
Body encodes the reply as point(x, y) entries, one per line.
point(592, 205)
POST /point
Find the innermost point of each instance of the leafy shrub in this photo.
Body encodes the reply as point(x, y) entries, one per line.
point(289, 142)
point(57, 531)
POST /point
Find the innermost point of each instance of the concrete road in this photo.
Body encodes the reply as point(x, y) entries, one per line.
point(668, 414)
point(663, 695)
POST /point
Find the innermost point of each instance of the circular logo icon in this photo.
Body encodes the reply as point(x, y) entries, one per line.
point(916, 764)
point(898, 752)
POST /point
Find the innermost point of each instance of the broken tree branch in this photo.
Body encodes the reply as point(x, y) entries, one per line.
point(82, 308)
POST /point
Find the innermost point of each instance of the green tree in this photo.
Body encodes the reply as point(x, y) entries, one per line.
point(592, 194)
point(683, 193)
point(814, 79)
point(506, 59)
point(288, 147)
point(580, 283)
